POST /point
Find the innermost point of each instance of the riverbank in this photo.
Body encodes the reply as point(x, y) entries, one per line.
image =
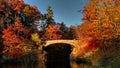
point(27, 58)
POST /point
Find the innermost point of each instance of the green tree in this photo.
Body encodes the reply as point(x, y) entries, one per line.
point(49, 12)
point(49, 16)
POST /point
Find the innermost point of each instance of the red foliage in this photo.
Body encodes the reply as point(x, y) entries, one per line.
point(15, 53)
point(19, 5)
point(10, 38)
point(89, 44)
point(92, 44)
point(53, 33)
point(13, 37)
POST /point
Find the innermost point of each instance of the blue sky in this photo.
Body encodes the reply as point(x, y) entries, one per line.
point(64, 10)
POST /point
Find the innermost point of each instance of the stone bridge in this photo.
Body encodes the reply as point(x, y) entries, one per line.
point(60, 50)
point(73, 43)
point(76, 45)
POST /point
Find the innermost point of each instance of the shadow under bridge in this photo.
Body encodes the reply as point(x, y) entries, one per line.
point(58, 54)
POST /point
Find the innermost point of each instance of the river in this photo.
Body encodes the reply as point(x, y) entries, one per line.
point(55, 65)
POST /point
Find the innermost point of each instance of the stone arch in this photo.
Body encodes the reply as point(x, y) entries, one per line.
point(71, 45)
point(55, 45)
point(70, 42)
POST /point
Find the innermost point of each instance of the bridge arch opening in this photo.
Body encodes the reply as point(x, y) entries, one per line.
point(58, 53)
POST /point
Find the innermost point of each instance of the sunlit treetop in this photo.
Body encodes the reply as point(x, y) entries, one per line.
point(101, 19)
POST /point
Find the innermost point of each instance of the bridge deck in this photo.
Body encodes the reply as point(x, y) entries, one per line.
point(71, 42)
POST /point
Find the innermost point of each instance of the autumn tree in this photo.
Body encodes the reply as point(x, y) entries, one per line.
point(11, 9)
point(10, 39)
point(101, 20)
point(52, 33)
point(17, 40)
point(7, 16)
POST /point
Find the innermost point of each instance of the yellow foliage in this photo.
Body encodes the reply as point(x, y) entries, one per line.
point(27, 10)
point(35, 38)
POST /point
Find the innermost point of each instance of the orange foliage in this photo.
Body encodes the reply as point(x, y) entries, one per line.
point(13, 37)
point(88, 44)
point(15, 53)
point(19, 5)
point(101, 20)
point(52, 33)
point(10, 38)
point(16, 19)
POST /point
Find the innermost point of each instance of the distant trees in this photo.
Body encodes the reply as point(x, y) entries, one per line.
point(64, 29)
point(72, 32)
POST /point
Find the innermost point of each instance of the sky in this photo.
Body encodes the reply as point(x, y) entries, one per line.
point(64, 10)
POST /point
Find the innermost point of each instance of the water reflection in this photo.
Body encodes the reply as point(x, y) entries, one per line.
point(81, 65)
point(58, 65)
point(50, 65)
point(37, 65)
point(17, 66)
